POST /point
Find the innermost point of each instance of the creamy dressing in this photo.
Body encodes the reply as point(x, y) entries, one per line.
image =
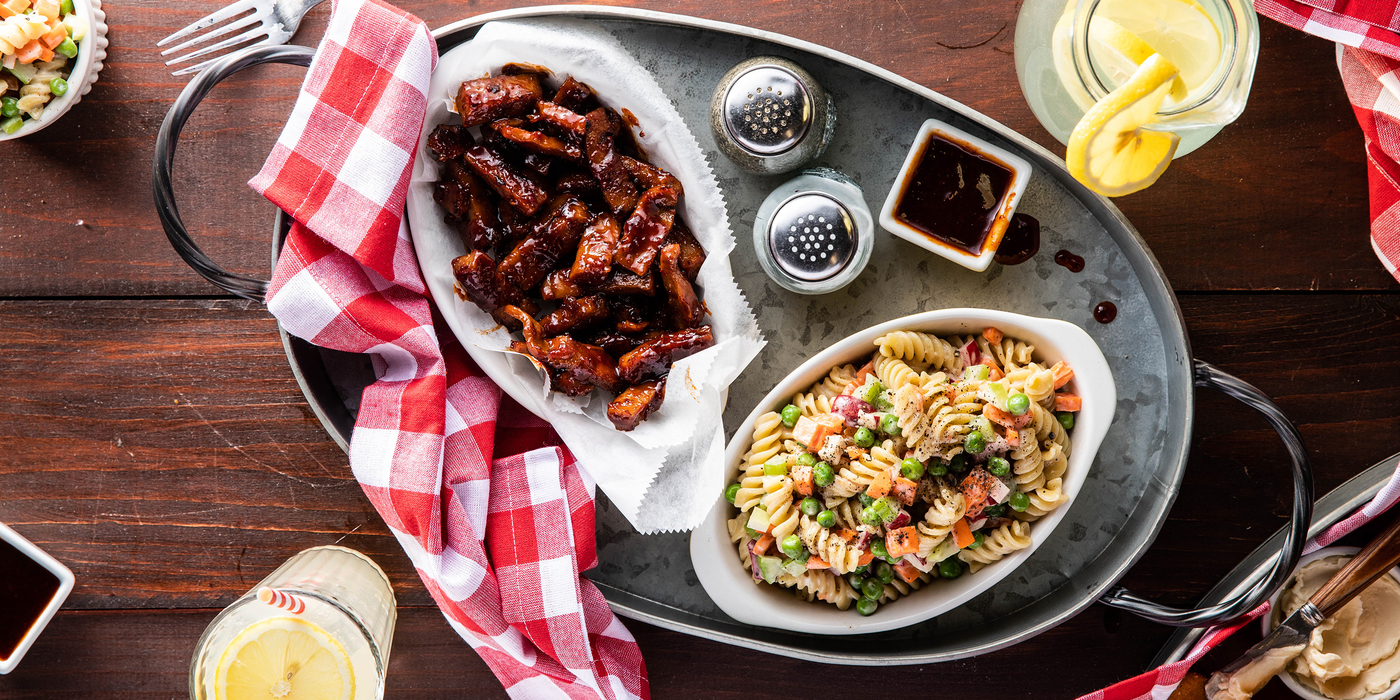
point(1352, 653)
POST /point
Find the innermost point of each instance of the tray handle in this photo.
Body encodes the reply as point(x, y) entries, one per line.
point(164, 162)
point(1208, 375)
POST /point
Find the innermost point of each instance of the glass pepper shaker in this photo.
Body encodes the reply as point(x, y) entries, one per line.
point(814, 233)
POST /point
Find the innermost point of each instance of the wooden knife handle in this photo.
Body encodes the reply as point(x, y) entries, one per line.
point(1369, 564)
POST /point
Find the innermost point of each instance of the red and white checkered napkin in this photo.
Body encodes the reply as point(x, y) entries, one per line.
point(1367, 33)
point(1159, 683)
point(490, 508)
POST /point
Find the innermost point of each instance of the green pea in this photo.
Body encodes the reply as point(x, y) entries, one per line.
point(791, 546)
point(790, 415)
point(807, 459)
point(864, 499)
point(1066, 419)
point(826, 518)
point(937, 468)
point(731, 493)
point(877, 547)
point(889, 425)
point(998, 466)
point(977, 539)
point(950, 568)
point(65, 7)
point(67, 48)
point(884, 571)
point(872, 589)
point(1018, 404)
point(870, 516)
point(975, 443)
point(958, 464)
point(996, 511)
point(866, 607)
point(1019, 502)
point(775, 467)
point(855, 579)
point(860, 570)
point(802, 556)
point(58, 86)
point(822, 474)
point(12, 124)
point(911, 468)
point(865, 437)
point(9, 106)
point(811, 506)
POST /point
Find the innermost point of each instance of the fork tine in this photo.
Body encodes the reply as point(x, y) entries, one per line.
point(254, 18)
point(243, 38)
point(211, 19)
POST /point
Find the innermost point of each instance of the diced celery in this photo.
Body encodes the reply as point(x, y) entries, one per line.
point(947, 548)
point(77, 28)
point(769, 568)
point(758, 520)
point(12, 124)
point(793, 566)
point(994, 393)
point(24, 71)
point(65, 7)
point(977, 372)
point(984, 426)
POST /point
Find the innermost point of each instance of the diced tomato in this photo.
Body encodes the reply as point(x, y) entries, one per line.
point(816, 562)
point(906, 571)
point(994, 373)
point(802, 479)
point(29, 52)
point(761, 546)
point(1068, 402)
point(880, 485)
point(866, 558)
point(962, 534)
point(992, 334)
point(54, 37)
point(864, 372)
point(903, 541)
point(1062, 373)
point(905, 490)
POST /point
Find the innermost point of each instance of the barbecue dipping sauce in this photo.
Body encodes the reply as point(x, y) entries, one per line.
point(25, 590)
point(953, 194)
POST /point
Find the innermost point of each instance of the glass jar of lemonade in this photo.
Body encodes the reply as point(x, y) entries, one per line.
point(1071, 55)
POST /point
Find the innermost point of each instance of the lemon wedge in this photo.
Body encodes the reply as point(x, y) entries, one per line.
point(1181, 30)
point(1109, 150)
point(1120, 52)
point(285, 658)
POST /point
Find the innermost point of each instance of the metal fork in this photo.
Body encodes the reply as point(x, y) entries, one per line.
point(276, 21)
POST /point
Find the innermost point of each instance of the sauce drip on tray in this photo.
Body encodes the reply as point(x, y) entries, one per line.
point(25, 590)
point(1105, 312)
point(1069, 261)
point(1021, 242)
point(953, 194)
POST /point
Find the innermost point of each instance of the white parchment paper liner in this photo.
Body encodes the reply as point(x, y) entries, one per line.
point(664, 475)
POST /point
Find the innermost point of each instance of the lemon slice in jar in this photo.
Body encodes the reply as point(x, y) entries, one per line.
point(1109, 150)
point(1181, 30)
point(284, 658)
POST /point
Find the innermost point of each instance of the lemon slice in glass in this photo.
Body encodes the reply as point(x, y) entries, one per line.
point(1119, 52)
point(284, 658)
point(1180, 30)
point(1109, 150)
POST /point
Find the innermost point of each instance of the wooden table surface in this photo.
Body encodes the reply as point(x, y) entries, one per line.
point(152, 436)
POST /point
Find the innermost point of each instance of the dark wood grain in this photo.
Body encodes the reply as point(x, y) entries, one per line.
point(1278, 201)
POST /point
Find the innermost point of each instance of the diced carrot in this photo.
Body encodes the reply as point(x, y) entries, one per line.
point(763, 543)
point(998, 416)
point(846, 534)
point(880, 485)
point(29, 52)
point(903, 541)
point(833, 422)
point(45, 53)
point(1068, 402)
point(962, 534)
point(1062, 373)
point(864, 372)
point(905, 490)
point(995, 372)
point(805, 430)
point(866, 558)
point(992, 334)
point(906, 571)
point(1013, 437)
point(46, 8)
point(55, 37)
point(18, 5)
point(816, 562)
point(802, 479)
point(6, 12)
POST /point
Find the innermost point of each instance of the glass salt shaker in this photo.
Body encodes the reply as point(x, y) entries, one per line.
point(770, 116)
point(814, 233)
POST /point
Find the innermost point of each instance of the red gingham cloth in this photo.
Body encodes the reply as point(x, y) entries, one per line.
point(489, 506)
point(1367, 33)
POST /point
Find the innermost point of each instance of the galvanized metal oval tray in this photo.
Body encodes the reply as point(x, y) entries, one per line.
point(1139, 468)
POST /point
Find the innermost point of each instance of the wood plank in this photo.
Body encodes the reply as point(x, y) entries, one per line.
point(1245, 212)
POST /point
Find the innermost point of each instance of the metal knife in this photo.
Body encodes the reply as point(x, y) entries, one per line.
point(1268, 658)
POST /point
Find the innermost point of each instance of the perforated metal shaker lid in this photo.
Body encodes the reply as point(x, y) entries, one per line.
point(767, 110)
point(814, 233)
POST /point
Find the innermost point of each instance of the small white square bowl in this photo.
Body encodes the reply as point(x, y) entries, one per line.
point(65, 586)
point(1020, 176)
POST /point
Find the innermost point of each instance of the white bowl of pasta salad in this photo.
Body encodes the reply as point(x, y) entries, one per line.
point(51, 52)
point(937, 451)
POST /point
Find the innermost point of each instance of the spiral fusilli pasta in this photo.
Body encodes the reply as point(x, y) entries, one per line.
point(998, 543)
point(923, 349)
point(894, 373)
point(823, 543)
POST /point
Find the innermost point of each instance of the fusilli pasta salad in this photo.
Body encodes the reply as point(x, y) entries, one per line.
point(36, 43)
point(932, 460)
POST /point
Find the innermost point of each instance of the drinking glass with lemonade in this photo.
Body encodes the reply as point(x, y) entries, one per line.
point(318, 628)
point(1128, 85)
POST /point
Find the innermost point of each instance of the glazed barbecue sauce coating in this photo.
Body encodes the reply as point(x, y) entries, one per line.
point(953, 194)
point(25, 590)
point(1021, 242)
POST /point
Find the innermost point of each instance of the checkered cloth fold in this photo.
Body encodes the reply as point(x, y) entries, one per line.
point(489, 506)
